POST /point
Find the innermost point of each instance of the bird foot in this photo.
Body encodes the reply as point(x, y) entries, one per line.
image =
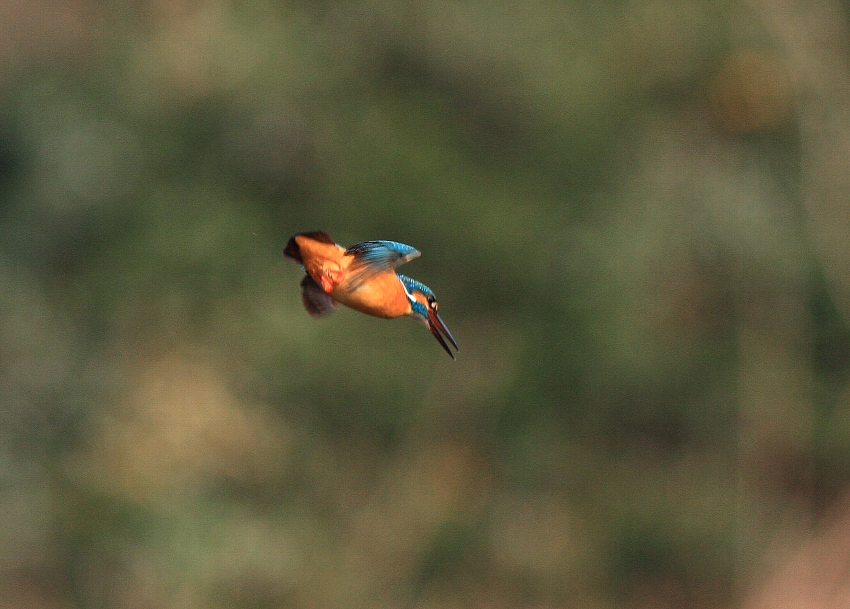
point(331, 277)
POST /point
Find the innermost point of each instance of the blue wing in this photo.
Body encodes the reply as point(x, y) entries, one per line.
point(386, 254)
point(373, 257)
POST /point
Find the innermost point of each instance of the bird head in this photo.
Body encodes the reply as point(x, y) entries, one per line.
point(423, 308)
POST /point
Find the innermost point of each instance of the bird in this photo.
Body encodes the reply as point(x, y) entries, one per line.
point(363, 277)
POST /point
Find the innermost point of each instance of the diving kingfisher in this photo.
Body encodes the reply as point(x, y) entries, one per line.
point(363, 277)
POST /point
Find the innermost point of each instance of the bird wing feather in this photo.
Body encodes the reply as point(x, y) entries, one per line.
point(373, 257)
point(317, 302)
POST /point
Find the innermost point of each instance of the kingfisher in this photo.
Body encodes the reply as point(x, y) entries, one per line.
point(363, 277)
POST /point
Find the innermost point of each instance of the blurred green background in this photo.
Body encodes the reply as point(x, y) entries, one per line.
point(633, 214)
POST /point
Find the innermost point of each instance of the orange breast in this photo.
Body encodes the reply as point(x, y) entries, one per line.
point(382, 296)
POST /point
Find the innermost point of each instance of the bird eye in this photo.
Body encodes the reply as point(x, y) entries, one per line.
point(432, 302)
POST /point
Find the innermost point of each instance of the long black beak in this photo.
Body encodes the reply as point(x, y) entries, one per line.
point(436, 325)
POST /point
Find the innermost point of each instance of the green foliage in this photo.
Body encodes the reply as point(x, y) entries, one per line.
point(618, 253)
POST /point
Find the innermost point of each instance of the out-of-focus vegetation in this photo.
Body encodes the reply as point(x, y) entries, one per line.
point(632, 213)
